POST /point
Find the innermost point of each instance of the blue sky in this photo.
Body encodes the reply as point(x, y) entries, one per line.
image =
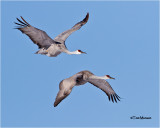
point(121, 39)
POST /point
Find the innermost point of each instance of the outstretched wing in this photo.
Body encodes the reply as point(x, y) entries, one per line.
point(38, 36)
point(65, 88)
point(60, 96)
point(105, 86)
point(64, 35)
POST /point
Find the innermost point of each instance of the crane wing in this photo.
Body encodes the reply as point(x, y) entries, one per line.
point(65, 87)
point(60, 96)
point(106, 87)
point(64, 35)
point(38, 36)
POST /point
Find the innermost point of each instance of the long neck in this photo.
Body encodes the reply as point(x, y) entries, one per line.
point(70, 53)
point(98, 77)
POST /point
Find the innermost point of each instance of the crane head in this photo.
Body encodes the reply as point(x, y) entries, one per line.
point(109, 77)
point(80, 52)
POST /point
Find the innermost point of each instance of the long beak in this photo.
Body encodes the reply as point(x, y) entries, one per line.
point(112, 78)
point(84, 52)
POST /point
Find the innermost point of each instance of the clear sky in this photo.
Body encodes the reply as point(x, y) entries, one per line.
point(121, 39)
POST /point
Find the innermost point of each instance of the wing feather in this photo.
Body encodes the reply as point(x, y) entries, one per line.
point(38, 36)
point(64, 35)
point(60, 96)
point(106, 87)
point(65, 88)
point(21, 22)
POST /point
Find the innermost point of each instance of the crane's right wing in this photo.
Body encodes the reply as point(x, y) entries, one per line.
point(38, 36)
point(105, 86)
point(64, 35)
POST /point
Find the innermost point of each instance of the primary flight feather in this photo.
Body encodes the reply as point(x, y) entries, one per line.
point(47, 45)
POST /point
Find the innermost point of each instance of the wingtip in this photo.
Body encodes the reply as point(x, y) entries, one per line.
point(118, 98)
point(86, 18)
point(21, 17)
point(18, 20)
point(114, 98)
point(24, 20)
point(87, 15)
point(55, 104)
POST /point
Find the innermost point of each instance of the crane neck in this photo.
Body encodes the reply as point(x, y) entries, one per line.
point(98, 77)
point(70, 53)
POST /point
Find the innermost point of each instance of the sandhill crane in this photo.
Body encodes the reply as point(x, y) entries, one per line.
point(48, 46)
point(80, 78)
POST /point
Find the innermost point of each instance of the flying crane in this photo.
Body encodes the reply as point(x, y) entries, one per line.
point(48, 46)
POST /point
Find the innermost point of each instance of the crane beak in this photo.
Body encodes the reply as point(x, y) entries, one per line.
point(112, 78)
point(84, 52)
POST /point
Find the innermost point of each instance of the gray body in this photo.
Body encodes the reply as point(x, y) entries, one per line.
point(66, 85)
point(48, 46)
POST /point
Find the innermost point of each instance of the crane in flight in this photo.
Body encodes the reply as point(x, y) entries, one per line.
point(80, 78)
point(48, 46)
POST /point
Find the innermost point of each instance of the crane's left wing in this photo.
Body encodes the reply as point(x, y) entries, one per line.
point(64, 35)
point(62, 94)
point(65, 88)
point(38, 36)
point(106, 87)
